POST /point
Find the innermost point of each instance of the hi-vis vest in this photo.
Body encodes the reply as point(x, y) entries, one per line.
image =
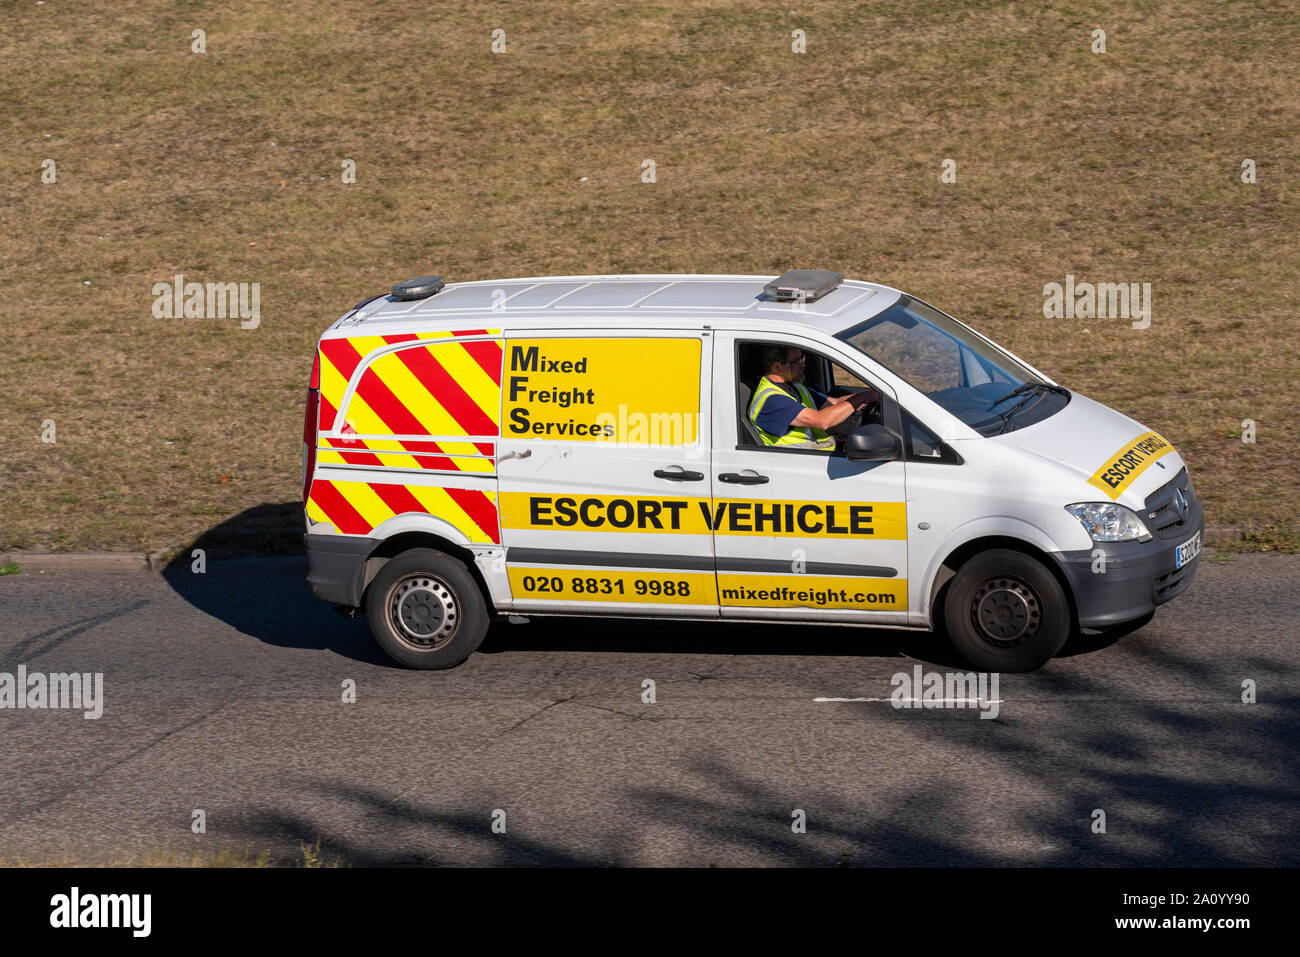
point(798, 436)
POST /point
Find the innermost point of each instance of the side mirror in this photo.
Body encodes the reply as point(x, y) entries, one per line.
point(872, 443)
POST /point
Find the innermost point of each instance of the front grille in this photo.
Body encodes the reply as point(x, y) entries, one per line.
point(1160, 515)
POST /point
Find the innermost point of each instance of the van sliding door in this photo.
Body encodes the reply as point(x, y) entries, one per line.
point(604, 471)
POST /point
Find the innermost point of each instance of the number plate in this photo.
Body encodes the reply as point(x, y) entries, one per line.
point(1187, 551)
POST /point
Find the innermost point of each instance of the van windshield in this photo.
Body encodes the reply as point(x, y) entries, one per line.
point(932, 352)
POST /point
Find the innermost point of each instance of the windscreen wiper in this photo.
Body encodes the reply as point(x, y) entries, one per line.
point(1029, 387)
point(1029, 390)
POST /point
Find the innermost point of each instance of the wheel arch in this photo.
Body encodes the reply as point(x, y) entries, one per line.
point(964, 552)
point(403, 542)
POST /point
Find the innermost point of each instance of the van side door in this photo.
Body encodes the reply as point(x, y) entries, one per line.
point(801, 534)
point(604, 468)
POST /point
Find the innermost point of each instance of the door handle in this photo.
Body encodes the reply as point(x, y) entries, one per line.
point(679, 475)
point(736, 478)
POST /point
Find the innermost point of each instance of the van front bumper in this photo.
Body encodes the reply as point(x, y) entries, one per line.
point(1115, 582)
point(334, 567)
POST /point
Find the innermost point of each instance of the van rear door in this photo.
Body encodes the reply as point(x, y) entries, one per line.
point(407, 436)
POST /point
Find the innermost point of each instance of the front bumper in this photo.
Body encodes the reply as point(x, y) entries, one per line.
point(1115, 582)
point(334, 567)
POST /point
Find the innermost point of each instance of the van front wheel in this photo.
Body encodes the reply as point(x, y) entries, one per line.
point(426, 610)
point(1005, 612)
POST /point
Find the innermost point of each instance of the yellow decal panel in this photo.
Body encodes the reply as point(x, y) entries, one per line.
point(568, 584)
point(1128, 463)
point(812, 591)
point(604, 513)
point(602, 390)
point(875, 520)
point(701, 516)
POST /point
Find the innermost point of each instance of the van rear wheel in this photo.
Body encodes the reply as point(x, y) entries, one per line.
point(426, 610)
point(1005, 612)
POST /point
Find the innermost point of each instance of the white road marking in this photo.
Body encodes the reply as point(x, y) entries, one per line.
point(965, 701)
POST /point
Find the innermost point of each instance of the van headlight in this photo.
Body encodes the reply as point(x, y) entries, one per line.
point(1109, 522)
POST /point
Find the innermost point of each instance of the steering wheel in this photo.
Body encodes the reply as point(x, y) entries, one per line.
point(861, 416)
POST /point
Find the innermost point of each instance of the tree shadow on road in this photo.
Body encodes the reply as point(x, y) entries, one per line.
point(1190, 780)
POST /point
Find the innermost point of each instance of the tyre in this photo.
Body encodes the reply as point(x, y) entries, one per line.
point(1005, 612)
point(426, 610)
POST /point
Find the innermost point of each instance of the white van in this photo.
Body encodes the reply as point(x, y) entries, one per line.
point(603, 445)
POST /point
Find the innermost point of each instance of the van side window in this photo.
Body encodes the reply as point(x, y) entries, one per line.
point(841, 376)
point(821, 376)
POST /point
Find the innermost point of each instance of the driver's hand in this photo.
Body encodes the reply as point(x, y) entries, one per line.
point(865, 397)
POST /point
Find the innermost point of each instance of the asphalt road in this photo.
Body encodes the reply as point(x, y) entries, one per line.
point(222, 692)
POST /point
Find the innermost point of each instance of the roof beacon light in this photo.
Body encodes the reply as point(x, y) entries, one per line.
point(807, 285)
point(421, 288)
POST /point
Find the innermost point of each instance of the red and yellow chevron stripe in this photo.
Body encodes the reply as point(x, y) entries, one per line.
point(443, 388)
point(433, 405)
point(408, 454)
point(358, 508)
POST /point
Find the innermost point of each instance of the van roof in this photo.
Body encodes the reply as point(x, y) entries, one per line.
point(724, 301)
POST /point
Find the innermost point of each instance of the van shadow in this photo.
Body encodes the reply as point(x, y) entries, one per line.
point(255, 580)
point(714, 637)
point(1233, 805)
point(1086, 644)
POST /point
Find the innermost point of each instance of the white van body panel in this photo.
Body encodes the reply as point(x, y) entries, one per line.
point(998, 493)
point(1081, 438)
point(1014, 486)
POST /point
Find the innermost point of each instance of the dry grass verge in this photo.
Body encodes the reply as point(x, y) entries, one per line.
point(226, 166)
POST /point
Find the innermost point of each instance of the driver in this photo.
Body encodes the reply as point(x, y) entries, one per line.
point(788, 413)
